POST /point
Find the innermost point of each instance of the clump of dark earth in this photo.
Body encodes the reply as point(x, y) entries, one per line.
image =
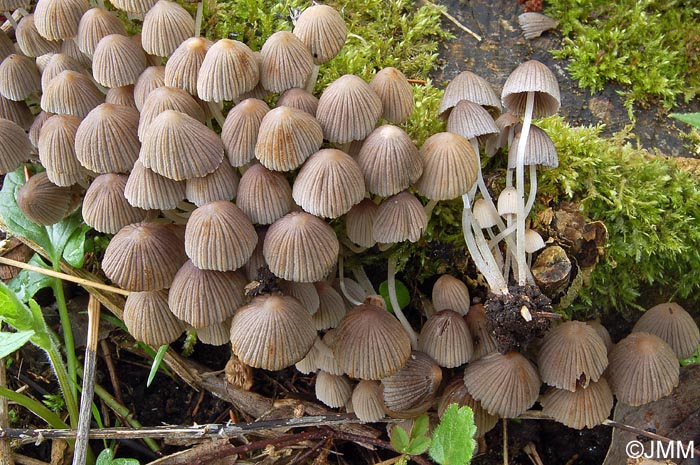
point(266, 283)
point(506, 320)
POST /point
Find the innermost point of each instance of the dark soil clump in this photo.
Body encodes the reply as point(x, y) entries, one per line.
point(510, 323)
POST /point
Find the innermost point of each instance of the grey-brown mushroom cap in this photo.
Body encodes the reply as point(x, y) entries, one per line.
point(71, 93)
point(219, 236)
point(264, 196)
point(539, 150)
point(471, 121)
point(148, 318)
point(179, 147)
point(396, 94)
point(105, 207)
point(531, 76)
point(7, 47)
point(412, 389)
point(371, 343)
point(450, 166)
point(218, 334)
point(585, 407)
point(332, 390)
point(272, 332)
point(484, 341)
point(301, 247)
point(456, 393)
point(165, 27)
point(674, 325)
point(329, 184)
point(19, 77)
point(95, 24)
point(300, 99)
point(367, 401)
point(572, 354)
point(45, 203)
point(57, 150)
point(348, 109)
point(14, 146)
point(331, 307)
point(305, 293)
point(469, 86)
point(643, 368)
point(286, 62)
point(182, 68)
point(59, 19)
point(58, 63)
point(399, 218)
point(164, 98)
point(505, 384)
point(222, 184)
point(445, 337)
point(240, 130)
point(134, 6)
point(151, 79)
point(229, 69)
point(323, 30)
point(117, 61)
point(17, 112)
point(30, 41)
point(359, 223)
point(143, 257)
point(151, 191)
point(121, 96)
point(450, 293)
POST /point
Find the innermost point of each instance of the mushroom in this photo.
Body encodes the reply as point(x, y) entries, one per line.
point(58, 63)
point(59, 19)
point(264, 196)
point(44, 202)
point(393, 89)
point(19, 77)
point(57, 150)
point(449, 293)
point(286, 62)
point(167, 98)
point(305, 293)
point(240, 130)
point(139, 7)
point(445, 337)
point(151, 191)
point(105, 207)
point(221, 184)
point(117, 61)
point(123, 95)
point(483, 339)
point(150, 79)
point(229, 69)
point(332, 390)
point(359, 224)
point(30, 42)
point(17, 112)
point(411, 391)
point(71, 93)
point(182, 68)
point(674, 325)
point(165, 27)
point(14, 146)
point(469, 86)
point(331, 309)
point(585, 407)
point(148, 318)
point(299, 99)
point(95, 24)
point(217, 334)
point(456, 393)
point(286, 138)
point(367, 401)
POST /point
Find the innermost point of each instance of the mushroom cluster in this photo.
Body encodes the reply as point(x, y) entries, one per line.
point(148, 149)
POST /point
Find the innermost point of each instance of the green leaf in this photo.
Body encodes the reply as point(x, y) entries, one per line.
point(418, 446)
point(691, 118)
point(27, 283)
point(10, 342)
point(420, 426)
point(106, 457)
point(399, 438)
point(453, 439)
point(402, 295)
point(14, 312)
point(74, 252)
point(156, 363)
point(61, 233)
point(41, 336)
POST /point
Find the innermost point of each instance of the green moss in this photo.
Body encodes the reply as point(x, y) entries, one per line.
point(650, 207)
point(649, 46)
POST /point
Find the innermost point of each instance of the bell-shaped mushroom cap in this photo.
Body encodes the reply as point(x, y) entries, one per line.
point(450, 166)
point(31, 42)
point(272, 332)
point(165, 27)
point(332, 390)
point(134, 6)
point(240, 130)
point(301, 247)
point(229, 69)
point(367, 401)
point(14, 146)
point(484, 341)
point(45, 203)
point(674, 325)
point(331, 307)
point(219, 236)
point(143, 257)
point(299, 99)
point(485, 213)
point(399, 218)
point(451, 293)
point(70, 48)
point(396, 94)
point(16, 111)
point(204, 297)
point(222, 184)
point(167, 98)
point(96, 24)
point(179, 147)
point(348, 109)
point(359, 223)
point(469, 86)
point(149, 320)
point(539, 150)
point(445, 337)
point(389, 161)
point(123, 95)
point(117, 61)
point(182, 68)
point(643, 368)
point(151, 191)
point(286, 62)
point(572, 353)
point(507, 201)
point(329, 184)
point(36, 126)
point(149, 80)
point(602, 332)
point(7, 47)
point(531, 76)
point(505, 384)
point(305, 293)
point(264, 196)
point(323, 31)
point(456, 393)
point(585, 407)
point(107, 139)
point(533, 241)
point(105, 208)
point(309, 364)
point(533, 24)
point(217, 334)
point(58, 63)
point(59, 19)
point(326, 358)
point(287, 137)
point(57, 150)
point(19, 77)
point(471, 121)
point(411, 391)
point(370, 343)
point(71, 93)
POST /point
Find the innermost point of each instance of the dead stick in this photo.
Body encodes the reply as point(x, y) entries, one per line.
point(112, 372)
point(454, 20)
point(84, 416)
point(63, 276)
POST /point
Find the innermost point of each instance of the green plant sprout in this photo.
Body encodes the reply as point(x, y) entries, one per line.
point(55, 402)
point(402, 295)
point(106, 457)
point(415, 443)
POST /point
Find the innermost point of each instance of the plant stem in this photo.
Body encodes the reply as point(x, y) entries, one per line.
point(65, 383)
point(69, 344)
point(533, 189)
point(391, 282)
point(311, 81)
point(520, 186)
point(5, 447)
point(363, 280)
point(34, 406)
point(341, 278)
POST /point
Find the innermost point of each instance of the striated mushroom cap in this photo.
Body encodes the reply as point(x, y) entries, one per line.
point(105, 207)
point(674, 325)
point(19, 77)
point(471, 121)
point(331, 308)
point(59, 19)
point(585, 407)
point(456, 393)
point(149, 320)
point(531, 76)
point(299, 99)
point(469, 86)
point(221, 184)
point(539, 150)
point(94, 25)
point(182, 68)
point(451, 293)
point(151, 79)
point(71, 93)
point(14, 146)
point(229, 69)
point(165, 27)
point(45, 203)
point(30, 42)
point(134, 6)
point(286, 62)
point(367, 401)
point(305, 293)
point(164, 98)
point(450, 166)
point(217, 334)
point(359, 223)
point(445, 337)
point(396, 94)
point(264, 196)
point(151, 191)
point(272, 332)
point(484, 341)
point(411, 391)
point(323, 31)
point(332, 390)
point(240, 130)
point(117, 61)
point(58, 63)
point(17, 112)
point(57, 150)
point(286, 138)
point(399, 218)
point(121, 96)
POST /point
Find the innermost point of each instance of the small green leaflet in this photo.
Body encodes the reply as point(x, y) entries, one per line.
point(399, 438)
point(10, 342)
point(13, 312)
point(27, 283)
point(156, 363)
point(106, 457)
point(691, 118)
point(402, 295)
point(453, 439)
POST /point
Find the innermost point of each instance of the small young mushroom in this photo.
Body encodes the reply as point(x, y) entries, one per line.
point(585, 407)
point(674, 325)
point(117, 61)
point(165, 27)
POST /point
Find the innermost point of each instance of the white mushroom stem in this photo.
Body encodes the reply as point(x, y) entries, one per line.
point(10, 19)
point(391, 282)
point(216, 111)
point(352, 247)
point(498, 237)
point(480, 251)
point(341, 278)
point(429, 207)
point(520, 187)
point(495, 250)
point(533, 189)
point(198, 19)
point(311, 81)
point(363, 280)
